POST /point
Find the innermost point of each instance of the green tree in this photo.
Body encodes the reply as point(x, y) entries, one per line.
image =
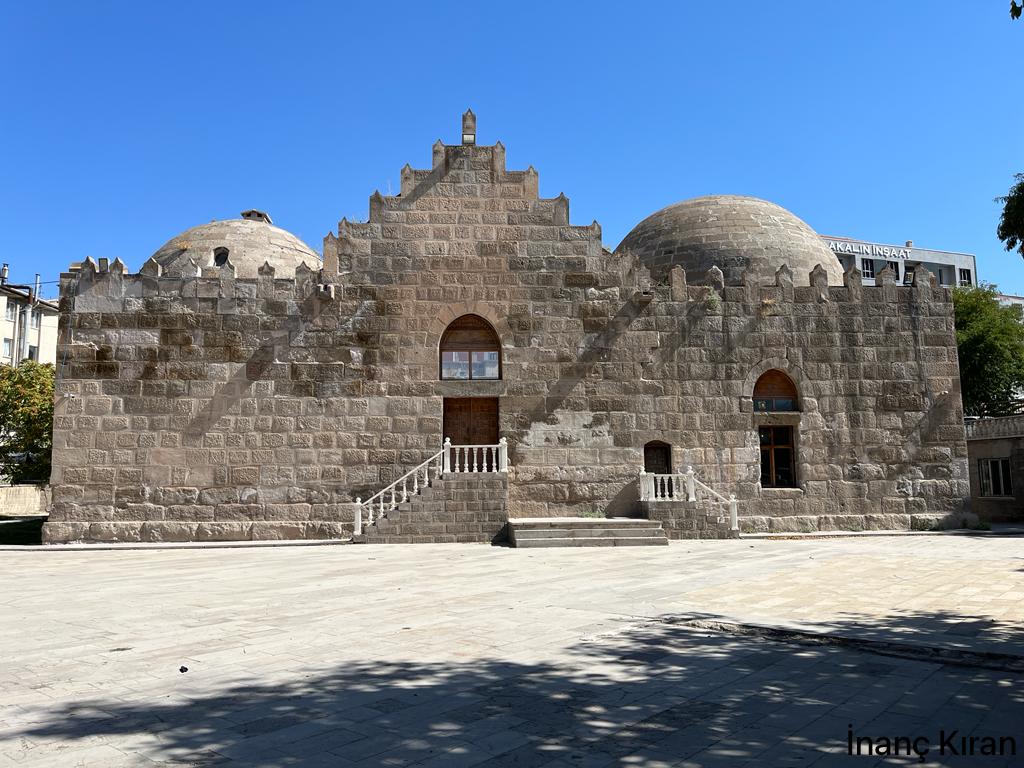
point(990, 341)
point(26, 422)
point(1011, 223)
point(1016, 9)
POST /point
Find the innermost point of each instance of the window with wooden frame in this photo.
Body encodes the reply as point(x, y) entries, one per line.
point(775, 391)
point(778, 457)
point(470, 350)
point(995, 477)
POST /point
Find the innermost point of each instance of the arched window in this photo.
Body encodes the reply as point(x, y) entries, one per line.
point(470, 349)
point(775, 391)
point(220, 256)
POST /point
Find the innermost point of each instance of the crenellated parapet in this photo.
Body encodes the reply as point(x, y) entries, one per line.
point(751, 289)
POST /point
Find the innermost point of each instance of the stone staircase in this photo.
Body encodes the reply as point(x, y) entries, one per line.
point(454, 508)
point(585, 532)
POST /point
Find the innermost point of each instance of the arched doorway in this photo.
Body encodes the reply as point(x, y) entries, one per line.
point(658, 458)
point(470, 351)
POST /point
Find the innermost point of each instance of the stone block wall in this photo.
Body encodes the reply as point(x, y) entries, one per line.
point(208, 405)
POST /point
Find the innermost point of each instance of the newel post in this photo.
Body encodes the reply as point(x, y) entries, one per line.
point(645, 492)
point(734, 517)
point(358, 528)
point(691, 485)
point(446, 460)
point(503, 455)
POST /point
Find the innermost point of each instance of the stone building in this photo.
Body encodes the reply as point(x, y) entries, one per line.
point(238, 387)
point(995, 447)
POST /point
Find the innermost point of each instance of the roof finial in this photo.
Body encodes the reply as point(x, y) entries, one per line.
point(469, 127)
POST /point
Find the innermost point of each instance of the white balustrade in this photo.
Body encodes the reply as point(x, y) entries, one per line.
point(680, 485)
point(461, 459)
point(456, 459)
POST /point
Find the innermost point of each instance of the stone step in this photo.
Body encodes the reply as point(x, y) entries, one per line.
point(585, 532)
point(582, 522)
point(594, 541)
point(570, 533)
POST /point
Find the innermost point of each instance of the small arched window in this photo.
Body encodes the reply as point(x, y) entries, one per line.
point(470, 349)
point(220, 256)
point(775, 391)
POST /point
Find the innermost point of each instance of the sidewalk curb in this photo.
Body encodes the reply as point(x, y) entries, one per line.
point(168, 545)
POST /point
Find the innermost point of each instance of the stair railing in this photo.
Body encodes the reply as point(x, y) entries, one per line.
point(380, 504)
point(457, 459)
point(659, 487)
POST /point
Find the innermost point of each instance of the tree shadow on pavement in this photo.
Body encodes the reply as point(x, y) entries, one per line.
point(655, 693)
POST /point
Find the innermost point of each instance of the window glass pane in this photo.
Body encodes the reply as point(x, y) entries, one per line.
point(783, 467)
point(485, 365)
point(455, 365)
point(766, 466)
point(765, 434)
point(985, 476)
point(1007, 484)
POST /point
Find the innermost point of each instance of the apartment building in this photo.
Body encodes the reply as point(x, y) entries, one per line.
point(28, 324)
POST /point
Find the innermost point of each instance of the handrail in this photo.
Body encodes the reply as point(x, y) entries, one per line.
point(379, 497)
point(457, 459)
point(660, 487)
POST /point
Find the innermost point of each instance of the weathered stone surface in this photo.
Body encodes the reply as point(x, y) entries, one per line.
point(211, 399)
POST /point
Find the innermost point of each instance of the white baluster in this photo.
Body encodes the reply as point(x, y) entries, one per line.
point(381, 510)
point(447, 460)
point(734, 517)
point(357, 529)
point(472, 459)
point(492, 453)
point(691, 485)
point(503, 455)
point(393, 502)
point(405, 491)
point(416, 482)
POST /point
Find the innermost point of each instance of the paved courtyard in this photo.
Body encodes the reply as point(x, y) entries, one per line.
point(459, 655)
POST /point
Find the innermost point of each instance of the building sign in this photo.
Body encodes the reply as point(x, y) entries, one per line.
point(844, 247)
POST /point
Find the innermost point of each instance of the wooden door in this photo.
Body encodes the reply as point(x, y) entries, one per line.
point(658, 458)
point(471, 420)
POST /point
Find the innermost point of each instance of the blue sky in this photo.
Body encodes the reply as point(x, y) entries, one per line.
point(124, 123)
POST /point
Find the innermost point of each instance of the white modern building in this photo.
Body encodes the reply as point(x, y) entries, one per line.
point(28, 324)
point(950, 267)
point(1009, 300)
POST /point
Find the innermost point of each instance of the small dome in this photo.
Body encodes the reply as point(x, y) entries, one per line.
point(247, 243)
point(733, 233)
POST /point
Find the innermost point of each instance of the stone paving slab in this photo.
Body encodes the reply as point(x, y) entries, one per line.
point(474, 655)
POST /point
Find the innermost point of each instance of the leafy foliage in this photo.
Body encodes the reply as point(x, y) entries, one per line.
point(990, 340)
point(1011, 223)
point(26, 422)
point(1016, 9)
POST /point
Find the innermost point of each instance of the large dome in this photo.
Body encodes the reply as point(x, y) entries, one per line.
point(247, 243)
point(733, 233)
